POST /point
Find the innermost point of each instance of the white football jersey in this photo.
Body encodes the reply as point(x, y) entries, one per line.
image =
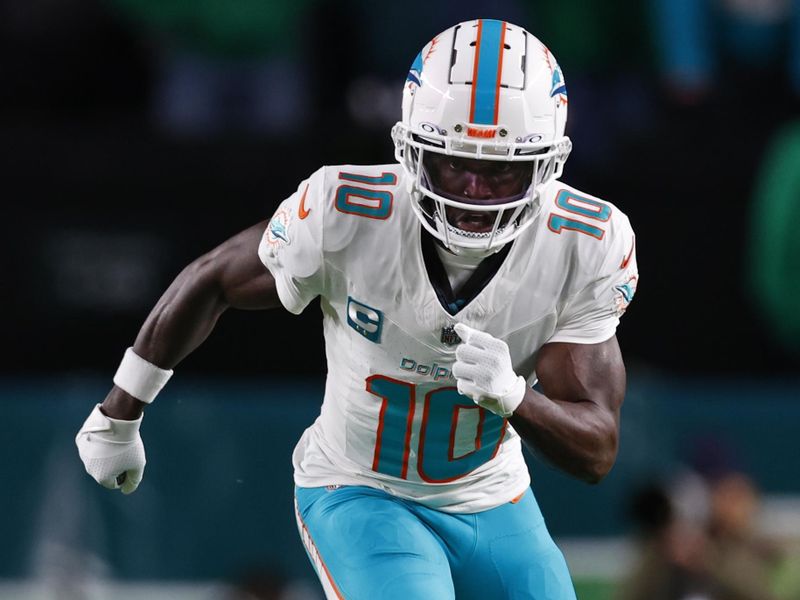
point(392, 417)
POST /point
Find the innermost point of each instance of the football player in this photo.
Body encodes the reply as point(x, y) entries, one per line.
point(450, 284)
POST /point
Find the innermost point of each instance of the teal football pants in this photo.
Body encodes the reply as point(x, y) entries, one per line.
point(368, 545)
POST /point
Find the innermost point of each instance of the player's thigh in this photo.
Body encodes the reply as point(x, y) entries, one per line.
point(367, 545)
point(515, 558)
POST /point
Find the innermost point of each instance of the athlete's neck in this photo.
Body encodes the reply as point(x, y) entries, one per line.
point(458, 268)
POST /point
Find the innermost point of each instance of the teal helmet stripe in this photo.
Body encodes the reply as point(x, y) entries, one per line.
point(487, 71)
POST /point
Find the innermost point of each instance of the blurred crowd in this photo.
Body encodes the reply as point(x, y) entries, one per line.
point(700, 538)
point(214, 65)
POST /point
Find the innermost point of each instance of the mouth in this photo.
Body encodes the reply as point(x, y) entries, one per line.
point(472, 221)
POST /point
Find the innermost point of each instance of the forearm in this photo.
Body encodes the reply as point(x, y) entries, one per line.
point(183, 317)
point(578, 437)
point(575, 424)
point(181, 320)
point(231, 275)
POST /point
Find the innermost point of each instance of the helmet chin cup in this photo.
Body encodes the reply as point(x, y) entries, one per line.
point(458, 241)
point(517, 113)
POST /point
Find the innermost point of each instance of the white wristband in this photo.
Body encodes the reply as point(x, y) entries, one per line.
point(140, 378)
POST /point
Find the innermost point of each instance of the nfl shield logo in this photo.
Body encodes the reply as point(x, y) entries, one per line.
point(449, 336)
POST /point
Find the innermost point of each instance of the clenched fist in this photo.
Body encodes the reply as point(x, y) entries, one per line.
point(112, 451)
point(484, 373)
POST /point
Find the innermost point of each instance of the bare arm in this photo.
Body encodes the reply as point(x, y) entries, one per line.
point(231, 275)
point(575, 422)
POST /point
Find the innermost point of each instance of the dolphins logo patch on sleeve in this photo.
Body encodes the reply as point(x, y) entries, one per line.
point(278, 231)
point(625, 293)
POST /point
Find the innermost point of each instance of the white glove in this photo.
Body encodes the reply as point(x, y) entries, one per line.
point(484, 373)
point(112, 451)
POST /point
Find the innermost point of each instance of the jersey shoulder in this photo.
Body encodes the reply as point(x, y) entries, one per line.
point(336, 203)
point(590, 229)
point(568, 209)
point(359, 203)
point(366, 191)
point(336, 217)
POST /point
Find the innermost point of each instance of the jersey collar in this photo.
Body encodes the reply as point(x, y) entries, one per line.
point(473, 286)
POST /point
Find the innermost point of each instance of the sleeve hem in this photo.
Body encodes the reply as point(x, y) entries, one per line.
point(577, 338)
point(290, 300)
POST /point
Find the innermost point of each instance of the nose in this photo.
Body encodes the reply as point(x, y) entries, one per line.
point(477, 187)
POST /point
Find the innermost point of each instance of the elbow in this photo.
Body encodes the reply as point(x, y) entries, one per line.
point(599, 465)
point(595, 473)
point(200, 269)
point(603, 453)
point(202, 278)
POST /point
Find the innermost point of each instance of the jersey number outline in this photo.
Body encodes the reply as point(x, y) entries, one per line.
point(442, 409)
point(373, 204)
point(583, 207)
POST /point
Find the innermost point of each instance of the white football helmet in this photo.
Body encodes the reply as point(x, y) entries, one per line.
point(486, 90)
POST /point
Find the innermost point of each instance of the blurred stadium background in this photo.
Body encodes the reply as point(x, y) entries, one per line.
point(140, 133)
